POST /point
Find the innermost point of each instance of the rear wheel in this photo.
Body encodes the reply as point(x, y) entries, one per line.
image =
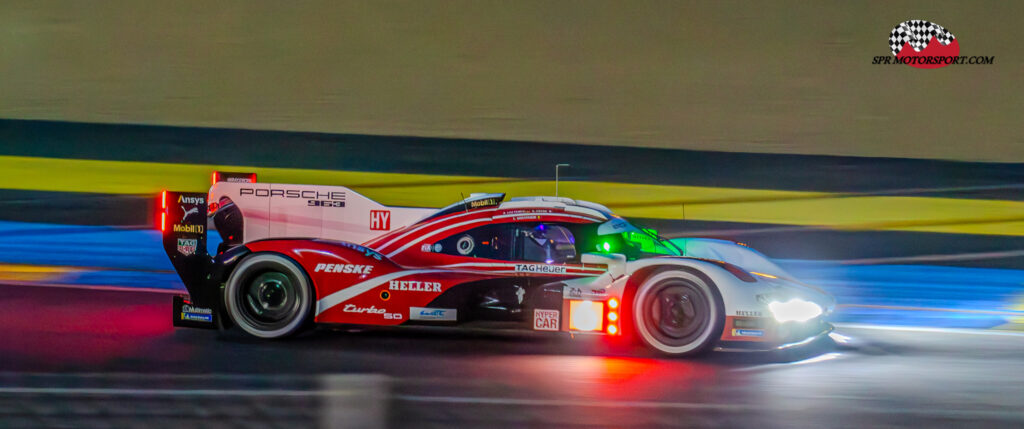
point(678, 313)
point(269, 296)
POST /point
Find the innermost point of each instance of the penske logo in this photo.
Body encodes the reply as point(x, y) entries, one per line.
point(415, 286)
point(343, 268)
point(538, 268)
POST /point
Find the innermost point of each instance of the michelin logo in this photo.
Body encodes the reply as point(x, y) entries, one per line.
point(436, 314)
point(538, 268)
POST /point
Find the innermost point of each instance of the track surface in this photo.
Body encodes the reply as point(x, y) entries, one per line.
point(881, 377)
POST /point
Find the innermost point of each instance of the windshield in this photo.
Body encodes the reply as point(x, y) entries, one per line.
point(619, 236)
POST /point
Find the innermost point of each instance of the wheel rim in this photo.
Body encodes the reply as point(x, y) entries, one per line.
point(676, 312)
point(269, 299)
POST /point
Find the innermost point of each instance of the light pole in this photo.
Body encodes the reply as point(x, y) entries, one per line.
point(557, 166)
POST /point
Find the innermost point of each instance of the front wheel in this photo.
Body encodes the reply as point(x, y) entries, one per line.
point(268, 296)
point(678, 313)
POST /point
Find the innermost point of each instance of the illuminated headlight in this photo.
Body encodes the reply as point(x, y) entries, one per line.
point(794, 310)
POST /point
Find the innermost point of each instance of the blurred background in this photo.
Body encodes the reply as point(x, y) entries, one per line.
point(896, 189)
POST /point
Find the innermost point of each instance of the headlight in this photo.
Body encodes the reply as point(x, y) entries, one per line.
point(794, 310)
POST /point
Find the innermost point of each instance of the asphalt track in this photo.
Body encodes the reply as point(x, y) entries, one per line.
point(870, 376)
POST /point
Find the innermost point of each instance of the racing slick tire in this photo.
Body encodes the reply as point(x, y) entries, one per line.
point(269, 296)
point(678, 313)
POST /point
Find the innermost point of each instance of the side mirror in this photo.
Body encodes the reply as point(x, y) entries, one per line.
point(616, 262)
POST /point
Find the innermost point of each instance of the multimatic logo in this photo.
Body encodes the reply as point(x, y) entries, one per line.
point(926, 45)
point(313, 198)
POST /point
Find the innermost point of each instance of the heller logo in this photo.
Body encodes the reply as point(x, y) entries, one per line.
point(380, 220)
point(926, 45)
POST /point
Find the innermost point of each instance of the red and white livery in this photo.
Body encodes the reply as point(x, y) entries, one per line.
point(293, 256)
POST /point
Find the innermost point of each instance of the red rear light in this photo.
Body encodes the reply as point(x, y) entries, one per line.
point(212, 208)
point(163, 200)
point(163, 221)
point(215, 178)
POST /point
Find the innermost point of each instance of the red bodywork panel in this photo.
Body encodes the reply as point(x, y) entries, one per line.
point(356, 284)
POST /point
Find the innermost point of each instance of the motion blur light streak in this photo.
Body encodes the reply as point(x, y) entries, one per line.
point(794, 310)
point(839, 338)
point(816, 359)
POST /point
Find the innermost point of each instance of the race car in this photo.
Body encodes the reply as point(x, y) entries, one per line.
point(294, 256)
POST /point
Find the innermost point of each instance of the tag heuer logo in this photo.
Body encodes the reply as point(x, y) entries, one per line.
point(187, 246)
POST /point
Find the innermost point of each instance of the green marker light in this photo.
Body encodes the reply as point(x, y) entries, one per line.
point(607, 247)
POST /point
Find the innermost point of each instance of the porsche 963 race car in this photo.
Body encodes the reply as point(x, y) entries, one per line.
point(294, 256)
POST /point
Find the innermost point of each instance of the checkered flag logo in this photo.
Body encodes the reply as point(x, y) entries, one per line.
point(918, 33)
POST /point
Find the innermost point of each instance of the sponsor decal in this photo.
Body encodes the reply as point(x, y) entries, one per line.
point(188, 212)
point(352, 308)
point(747, 333)
point(539, 268)
point(465, 245)
point(525, 211)
point(313, 198)
point(426, 248)
point(414, 286)
point(343, 268)
point(926, 45)
point(191, 200)
point(545, 320)
point(484, 202)
point(368, 252)
point(193, 229)
point(424, 313)
point(748, 313)
point(196, 314)
point(187, 246)
point(380, 220)
point(575, 292)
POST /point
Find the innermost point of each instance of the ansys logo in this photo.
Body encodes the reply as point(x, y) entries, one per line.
point(926, 45)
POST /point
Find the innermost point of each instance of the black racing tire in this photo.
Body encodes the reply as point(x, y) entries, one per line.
point(269, 296)
point(678, 313)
